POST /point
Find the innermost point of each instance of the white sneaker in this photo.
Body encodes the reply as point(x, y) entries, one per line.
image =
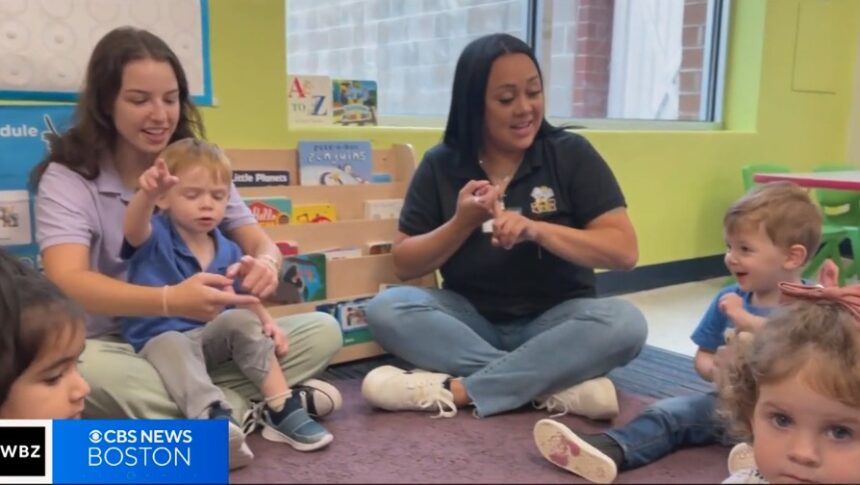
point(741, 458)
point(565, 449)
point(319, 397)
point(595, 399)
point(393, 389)
point(239, 453)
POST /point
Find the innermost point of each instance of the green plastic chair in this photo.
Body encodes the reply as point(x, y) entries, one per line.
point(747, 172)
point(841, 214)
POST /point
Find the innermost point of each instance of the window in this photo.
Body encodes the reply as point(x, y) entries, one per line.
point(616, 59)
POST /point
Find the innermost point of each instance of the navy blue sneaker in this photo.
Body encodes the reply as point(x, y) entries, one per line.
point(294, 426)
point(239, 453)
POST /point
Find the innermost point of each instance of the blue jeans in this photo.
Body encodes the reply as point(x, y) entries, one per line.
point(668, 425)
point(506, 365)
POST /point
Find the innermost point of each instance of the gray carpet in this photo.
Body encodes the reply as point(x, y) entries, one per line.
point(373, 446)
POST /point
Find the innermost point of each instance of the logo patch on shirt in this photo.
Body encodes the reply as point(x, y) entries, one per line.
point(543, 200)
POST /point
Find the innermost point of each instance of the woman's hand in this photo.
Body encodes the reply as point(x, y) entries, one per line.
point(203, 297)
point(475, 203)
point(259, 276)
point(511, 228)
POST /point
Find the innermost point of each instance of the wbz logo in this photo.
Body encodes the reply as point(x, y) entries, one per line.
point(23, 452)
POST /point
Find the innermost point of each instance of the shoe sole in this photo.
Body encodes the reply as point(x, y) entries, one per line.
point(741, 457)
point(272, 434)
point(332, 397)
point(240, 454)
point(565, 449)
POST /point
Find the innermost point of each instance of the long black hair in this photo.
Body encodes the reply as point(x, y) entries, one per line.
point(464, 131)
point(33, 312)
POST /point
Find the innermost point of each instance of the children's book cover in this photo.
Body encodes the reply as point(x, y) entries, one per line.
point(260, 178)
point(309, 100)
point(287, 247)
point(303, 279)
point(354, 102)
point(335, 162)
point(314, 213)
point(271, 211)
point(382, 208)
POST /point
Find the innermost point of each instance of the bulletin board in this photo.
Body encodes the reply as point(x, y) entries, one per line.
point(45, 44)
point(23, 144)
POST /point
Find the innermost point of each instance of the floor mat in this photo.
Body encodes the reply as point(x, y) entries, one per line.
point(655, 373)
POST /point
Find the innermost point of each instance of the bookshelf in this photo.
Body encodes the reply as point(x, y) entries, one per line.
point(345, 278)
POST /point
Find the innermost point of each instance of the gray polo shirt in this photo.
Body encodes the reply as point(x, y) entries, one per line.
point(72, 209)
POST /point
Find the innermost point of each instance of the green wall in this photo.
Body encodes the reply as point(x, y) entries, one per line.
point(677, 182)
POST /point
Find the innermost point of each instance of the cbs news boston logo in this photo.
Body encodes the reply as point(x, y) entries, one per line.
point(113, 451)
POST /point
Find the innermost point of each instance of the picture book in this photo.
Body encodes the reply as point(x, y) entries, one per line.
point(314, 213)
point(354, 102)
point(342, 253)
point(335, 162)
point(303, 279)
point(287, 248)
point(260, 178)
point(353, 322)
point(351, 314)
point(271, 211)
point(309, 100)
point(378, 247)
point(382, 208)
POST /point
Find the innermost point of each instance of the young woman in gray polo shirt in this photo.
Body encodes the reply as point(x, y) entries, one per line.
point(515, 213)
point(136, 101)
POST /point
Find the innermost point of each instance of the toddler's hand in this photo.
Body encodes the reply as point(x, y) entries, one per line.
point(156, 180)
point(730, 304)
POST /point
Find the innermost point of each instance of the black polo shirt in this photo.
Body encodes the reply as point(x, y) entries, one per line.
point(562, 180)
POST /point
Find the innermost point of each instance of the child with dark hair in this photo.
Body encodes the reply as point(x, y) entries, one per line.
point(42, 334)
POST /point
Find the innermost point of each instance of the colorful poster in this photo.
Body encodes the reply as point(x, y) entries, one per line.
point(23, 144)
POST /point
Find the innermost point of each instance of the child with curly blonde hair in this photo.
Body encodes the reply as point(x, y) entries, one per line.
point(794, 392)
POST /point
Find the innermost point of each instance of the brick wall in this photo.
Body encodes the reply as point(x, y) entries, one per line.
point(692, 59)
point(593, 47)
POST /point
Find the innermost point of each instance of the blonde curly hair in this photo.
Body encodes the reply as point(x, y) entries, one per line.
point(819, 338)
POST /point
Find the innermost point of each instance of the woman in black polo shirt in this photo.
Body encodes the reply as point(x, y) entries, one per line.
point(516, 214)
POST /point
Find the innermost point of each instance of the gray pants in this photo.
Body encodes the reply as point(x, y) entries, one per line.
point(506, 365)
point(183, 359)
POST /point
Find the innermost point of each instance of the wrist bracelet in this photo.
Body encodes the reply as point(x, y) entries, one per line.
point(274, 263)
point(164, 308)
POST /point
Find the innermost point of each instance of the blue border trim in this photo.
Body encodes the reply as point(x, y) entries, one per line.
point(205, 99)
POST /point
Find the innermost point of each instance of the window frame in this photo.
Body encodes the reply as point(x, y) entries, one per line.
point(713, 79)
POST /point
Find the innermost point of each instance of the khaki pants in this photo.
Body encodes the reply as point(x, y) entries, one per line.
point(125, 385)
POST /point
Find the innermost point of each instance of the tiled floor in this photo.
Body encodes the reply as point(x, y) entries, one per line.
point(674, 311)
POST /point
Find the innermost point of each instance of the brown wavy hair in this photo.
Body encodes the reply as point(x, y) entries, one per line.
point(93, 134)
point(819, 338)
point(785, 211)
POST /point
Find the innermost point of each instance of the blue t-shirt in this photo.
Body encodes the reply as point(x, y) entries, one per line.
point(164, 259)
point(710, 333)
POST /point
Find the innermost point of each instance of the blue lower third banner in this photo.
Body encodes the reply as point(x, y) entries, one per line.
point(114, 451)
